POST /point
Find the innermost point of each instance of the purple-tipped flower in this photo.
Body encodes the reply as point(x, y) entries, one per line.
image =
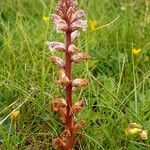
point(74, 35)
point(61, 25)
point(79, 24)
point(67, 18)
point(77, 15)
point(53, 46)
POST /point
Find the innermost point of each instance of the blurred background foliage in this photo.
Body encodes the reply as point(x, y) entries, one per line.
point(119, 89)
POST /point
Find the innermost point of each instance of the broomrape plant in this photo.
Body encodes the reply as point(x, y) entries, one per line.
point(68, 21)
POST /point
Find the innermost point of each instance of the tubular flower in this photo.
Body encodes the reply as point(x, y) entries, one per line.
point(58, 61)
point(79, 82)
point(80, 56)
point(54, 46)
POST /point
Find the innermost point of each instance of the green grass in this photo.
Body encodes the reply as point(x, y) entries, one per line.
point(119, 89)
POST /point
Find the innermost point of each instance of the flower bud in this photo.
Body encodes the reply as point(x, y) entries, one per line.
point(62, 112)
point(58, 103)
point(79, 24)
point(66, 133)
point(53, 46)
point(55, 18)
point(77, 15)
point(80, 56)
point(64, 80)
point(78, 125)
point(59, 12)
point(144, 135)
point(58, 143)
point(78, 106)
point(15, 114)
point(58, 61)
point(79, 82)
point(61, 25)
point(69, 13)
point(72, 49)
point(74, 35)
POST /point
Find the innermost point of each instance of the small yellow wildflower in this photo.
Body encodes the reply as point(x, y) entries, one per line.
point(136, 51)
point(93, 24)
point(15, 114)
point(46, 18)
point(131, 131)
point(134, 125)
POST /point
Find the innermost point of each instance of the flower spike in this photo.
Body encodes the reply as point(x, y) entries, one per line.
point(69, 21)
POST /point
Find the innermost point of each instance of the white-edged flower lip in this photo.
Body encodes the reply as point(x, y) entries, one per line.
point(54, 46)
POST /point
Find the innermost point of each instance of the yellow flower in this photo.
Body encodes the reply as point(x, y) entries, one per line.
point(131, 131)
point(136, 51)
point(93, 24)
point(46, 18)
point(134, 125)
point(15, 114)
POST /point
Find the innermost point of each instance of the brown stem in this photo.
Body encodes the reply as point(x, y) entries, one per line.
point(68, 119)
